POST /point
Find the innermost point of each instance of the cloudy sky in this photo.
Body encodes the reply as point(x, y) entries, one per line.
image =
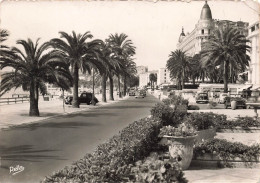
point(153, 27)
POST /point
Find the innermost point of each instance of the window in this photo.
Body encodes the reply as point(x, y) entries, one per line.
point(209, 31)
point(257, 26)
point(202, 31)
point(253, 29)
point(165, 74)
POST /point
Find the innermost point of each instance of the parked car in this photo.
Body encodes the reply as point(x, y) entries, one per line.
point(85, 97)
point(143, 92)
point(139, 94)
point(254, 98)
point(132, 92)
point(202, 98)
point(240, 102)
point(222, 97)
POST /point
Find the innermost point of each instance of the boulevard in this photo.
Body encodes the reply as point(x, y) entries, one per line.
point(50, 145)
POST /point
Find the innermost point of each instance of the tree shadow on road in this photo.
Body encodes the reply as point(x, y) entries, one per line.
point(26, 153)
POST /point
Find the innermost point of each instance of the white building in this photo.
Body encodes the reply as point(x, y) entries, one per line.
point(191, 43)
point(143, 79)
point(254, 67)
point(141, 69)
point(163, 76)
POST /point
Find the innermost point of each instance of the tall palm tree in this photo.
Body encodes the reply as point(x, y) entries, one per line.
point(122, 48)
point(130, 70)
point(226, 47)
point(152, 78)
point(79, 54)
point(3, 37)
point(178, 64)
point(33, 67)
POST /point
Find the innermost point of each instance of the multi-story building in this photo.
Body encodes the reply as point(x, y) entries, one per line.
point(254, 67)
point(144, 78)
point(163, 76)
point(191, 42)
point(141, 69)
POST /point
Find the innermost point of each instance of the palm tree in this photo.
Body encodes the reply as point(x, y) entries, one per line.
point(227, 47)
point(178, 64)
point(32, 69)
point(3, 37)
point(122, 48)
point(152, 78)
point(79, 54)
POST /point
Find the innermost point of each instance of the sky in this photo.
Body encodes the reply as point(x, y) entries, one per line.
point(154, 28)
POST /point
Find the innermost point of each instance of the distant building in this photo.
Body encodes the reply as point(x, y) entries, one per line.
point(163, 76)
point(254, 67)
point(143, 79)
point(141, 69)
point(191, 42)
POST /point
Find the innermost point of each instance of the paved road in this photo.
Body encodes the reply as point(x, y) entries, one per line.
point(44, 147)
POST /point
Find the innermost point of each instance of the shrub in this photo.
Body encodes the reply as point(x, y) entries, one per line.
point(175, 100)
point(202, 121)
point(228, 150)
point(110, 161)
point(163, 113)
point(243, 122)
point(152, 169)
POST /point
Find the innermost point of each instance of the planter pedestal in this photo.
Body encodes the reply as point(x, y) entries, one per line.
point(180, 148)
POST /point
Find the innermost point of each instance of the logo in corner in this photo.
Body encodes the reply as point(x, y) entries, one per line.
point(16, 169)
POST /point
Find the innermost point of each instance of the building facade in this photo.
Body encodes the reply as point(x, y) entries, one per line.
point(163, 76)
point(191, 42)
point(254, 67)
point(141, 69)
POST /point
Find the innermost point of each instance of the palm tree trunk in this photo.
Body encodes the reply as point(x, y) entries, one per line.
point(203, 77)
point(34, 110)
point(182, 79)
point(104, 88)
point(111, 89)
point(124, 85)
point(193, 80)
point(119, 90)
point(225, 76)
point(75, 101)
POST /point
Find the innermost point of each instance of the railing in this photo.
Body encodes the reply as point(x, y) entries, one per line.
point(14, 100)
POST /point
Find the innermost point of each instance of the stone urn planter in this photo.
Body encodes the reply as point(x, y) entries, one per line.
point(180, 148)
point(233, 105)
point(205, 135)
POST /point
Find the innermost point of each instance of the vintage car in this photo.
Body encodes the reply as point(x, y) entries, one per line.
point(132, 92)
point(222, 97)
point(240, 102)
point(85, 97)
point(202, 98)
point(139, 94)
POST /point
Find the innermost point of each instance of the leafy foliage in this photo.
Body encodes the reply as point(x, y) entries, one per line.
point(226, 150)
point(153, 169)
point(202, 121)
point(163, 112)
point(244, 122)
point(182, 130)
point(109, 162)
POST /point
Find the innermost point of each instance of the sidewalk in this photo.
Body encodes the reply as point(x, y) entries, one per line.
point(17, 114)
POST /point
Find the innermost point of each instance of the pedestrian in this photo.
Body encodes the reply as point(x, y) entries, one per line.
point(159, 96)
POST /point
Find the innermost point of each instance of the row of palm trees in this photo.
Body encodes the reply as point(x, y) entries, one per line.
point(60, 60)
point(222, 58)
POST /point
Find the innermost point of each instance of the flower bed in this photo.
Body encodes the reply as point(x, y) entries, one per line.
point(226, 152)
point(111, 161)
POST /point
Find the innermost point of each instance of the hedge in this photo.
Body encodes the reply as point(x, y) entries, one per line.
point(109, 162)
